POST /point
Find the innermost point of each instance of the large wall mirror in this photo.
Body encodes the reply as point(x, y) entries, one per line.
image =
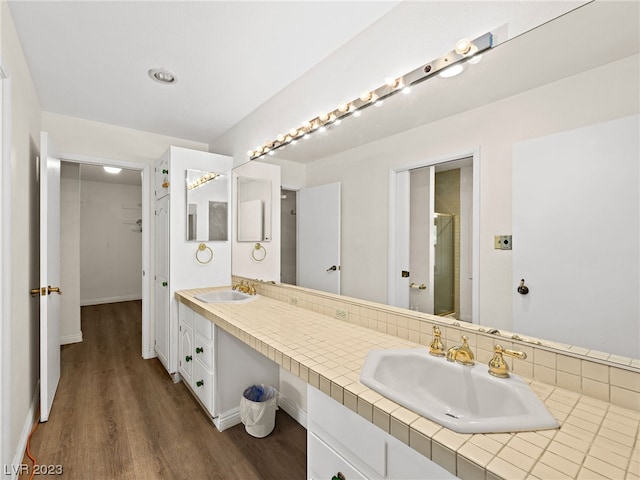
point(557, 78)
point(254, 209)
point(207, 206)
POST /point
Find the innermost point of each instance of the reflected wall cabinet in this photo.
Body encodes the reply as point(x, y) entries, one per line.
point(176, 265)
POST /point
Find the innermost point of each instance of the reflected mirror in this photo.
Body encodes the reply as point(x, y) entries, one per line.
point(534, 86)
point(207, 206)
point(254, 210)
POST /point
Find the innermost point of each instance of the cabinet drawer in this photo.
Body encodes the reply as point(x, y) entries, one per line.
point(203, 326)
point(185, 314)
point(203, 384)
point(360, 442)
point(203, 351)
point(323, 463)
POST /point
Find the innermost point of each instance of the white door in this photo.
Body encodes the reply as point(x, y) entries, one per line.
point(162, 303)
point(422, 239)
point(49, 276)
point(557, 250)
point(318, 215)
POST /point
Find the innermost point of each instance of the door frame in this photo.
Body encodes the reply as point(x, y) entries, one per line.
point(399, 230)
point(6, 455)
point(147, 179)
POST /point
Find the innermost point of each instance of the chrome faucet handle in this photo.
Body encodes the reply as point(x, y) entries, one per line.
point(436, 347)
point(497, 366)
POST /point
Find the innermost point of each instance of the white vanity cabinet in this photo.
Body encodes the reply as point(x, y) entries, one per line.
point(176, 265)
point(217, 367)
point(339, 440)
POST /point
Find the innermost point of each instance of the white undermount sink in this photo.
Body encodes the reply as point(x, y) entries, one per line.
point(225, 296)
point(462, 398)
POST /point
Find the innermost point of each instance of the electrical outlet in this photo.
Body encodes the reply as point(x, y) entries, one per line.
point(293, 301)
point(342, 314)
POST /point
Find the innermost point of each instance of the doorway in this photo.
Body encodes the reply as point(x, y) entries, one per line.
point(289, 240)
point(132, 217)
point(433, 237)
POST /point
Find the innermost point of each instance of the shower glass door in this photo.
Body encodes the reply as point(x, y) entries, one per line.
point(444, 264)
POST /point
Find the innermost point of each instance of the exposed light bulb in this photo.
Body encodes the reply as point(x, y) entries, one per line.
point(463, 46)
point(280, 138)
point(365, 96)
point(343, 107)
point(293, 132)
point(391, 82)
point(323, 117)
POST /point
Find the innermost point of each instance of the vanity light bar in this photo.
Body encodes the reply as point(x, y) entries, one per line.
point(464, 50)
point(202, 180)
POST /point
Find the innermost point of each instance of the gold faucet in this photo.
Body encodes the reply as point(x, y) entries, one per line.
point(497, 365)
point(436, 348)
point(461, 354)
point(248, 288)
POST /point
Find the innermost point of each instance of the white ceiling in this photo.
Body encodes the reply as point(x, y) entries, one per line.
point(89, 59)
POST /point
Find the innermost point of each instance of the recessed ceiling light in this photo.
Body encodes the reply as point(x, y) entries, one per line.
point(113, 170)
point(162, 75)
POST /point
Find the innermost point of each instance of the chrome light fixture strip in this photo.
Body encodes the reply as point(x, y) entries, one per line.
point(344, 110)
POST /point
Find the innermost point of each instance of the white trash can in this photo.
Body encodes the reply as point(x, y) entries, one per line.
point(258, 407)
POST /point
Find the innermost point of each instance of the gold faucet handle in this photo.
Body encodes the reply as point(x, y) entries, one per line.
point(436, 347)
point(497, 365)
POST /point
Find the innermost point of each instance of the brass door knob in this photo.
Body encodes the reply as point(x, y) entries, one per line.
point(36, 291)
point(51, 290)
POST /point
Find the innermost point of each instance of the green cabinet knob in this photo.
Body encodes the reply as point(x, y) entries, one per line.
point(165, 171)
point(164, 284)
point(200, 383)
point(188, 358)
point(199, 349)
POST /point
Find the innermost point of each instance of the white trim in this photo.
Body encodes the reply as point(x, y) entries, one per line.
point(227, 419)
point(296, 412)
point(475, 263)
point(147, 333)
point(26, 431)
point(101, 301)
point(68, 339)
point(5, 265)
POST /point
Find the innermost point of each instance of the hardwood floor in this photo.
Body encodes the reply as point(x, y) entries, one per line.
point(116, 416)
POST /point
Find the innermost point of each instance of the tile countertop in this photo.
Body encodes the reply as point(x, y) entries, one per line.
point(596, 439)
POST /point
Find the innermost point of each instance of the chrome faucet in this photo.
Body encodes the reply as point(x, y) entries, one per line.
point(461, 354)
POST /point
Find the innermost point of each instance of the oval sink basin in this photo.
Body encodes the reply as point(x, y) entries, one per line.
point(225, 296)
point(462, 398)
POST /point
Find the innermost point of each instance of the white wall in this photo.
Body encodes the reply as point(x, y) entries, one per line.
point(21, 356)
point(110, 249)
point(70, 327)
point(494, 129)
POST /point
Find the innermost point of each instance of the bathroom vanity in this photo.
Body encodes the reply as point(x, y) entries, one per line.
point(216, 367)
point(328, 354)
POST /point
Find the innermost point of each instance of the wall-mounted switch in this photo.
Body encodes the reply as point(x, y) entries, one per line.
point(502, 242)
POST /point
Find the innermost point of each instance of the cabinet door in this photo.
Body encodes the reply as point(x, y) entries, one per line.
point(162, 178)
point(161, 263)
point(203, 384)
point(186, 355)
point(323, 463)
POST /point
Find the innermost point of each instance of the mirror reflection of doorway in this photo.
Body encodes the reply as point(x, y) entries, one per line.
point(440, 211)
point(288, 244)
